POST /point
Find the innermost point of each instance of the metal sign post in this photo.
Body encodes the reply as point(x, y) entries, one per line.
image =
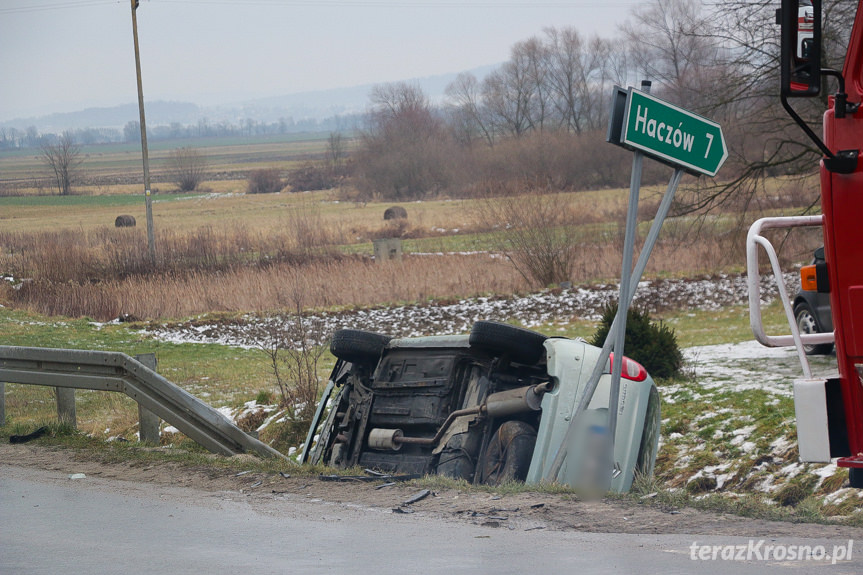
point(702, 152)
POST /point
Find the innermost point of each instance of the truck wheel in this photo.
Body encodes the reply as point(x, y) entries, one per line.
point(521, 345)
point(855, 477)
point(509, 453)
point(358, 346)
point(807, 323)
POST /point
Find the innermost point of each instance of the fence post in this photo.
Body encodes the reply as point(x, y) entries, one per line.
point(66, 406)
point(148, 422)
point(2, 404)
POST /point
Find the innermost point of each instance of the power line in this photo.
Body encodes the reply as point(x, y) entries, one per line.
point(57, 6)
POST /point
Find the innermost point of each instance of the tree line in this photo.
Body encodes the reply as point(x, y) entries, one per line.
point(14, 138)
point(538, 121)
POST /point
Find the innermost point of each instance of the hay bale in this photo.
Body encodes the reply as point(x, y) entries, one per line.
point(395, 213)
point(125, 221)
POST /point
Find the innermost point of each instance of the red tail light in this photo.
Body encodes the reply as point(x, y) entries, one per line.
point(631, 369)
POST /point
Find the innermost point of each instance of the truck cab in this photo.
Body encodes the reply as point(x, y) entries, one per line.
point(829, 411)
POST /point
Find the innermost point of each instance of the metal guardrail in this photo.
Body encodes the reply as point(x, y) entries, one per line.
point(754, 240)
point(114, 371)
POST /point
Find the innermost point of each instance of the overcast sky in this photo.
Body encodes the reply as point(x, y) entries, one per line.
point(65, 55)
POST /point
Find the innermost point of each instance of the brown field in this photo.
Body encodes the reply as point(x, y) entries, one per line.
point(224, 250)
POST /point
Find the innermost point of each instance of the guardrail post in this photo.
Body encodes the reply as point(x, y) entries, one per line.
point(66, 406)
point(148, 422)
point(2, 404)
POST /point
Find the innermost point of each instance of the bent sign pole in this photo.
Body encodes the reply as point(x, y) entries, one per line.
point(687, 142)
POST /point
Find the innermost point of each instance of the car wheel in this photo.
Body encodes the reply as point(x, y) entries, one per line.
point(806, 323)
point(521, 345)
point(458, 458)
point(855, 477)
point(358, 346)
point(509, 453)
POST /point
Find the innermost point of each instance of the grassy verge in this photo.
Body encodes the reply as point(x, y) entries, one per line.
point(725, 446)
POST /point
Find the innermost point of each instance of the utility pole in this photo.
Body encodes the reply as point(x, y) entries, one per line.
point(151, 242)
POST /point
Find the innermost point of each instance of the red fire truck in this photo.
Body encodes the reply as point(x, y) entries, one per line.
point(829, 410)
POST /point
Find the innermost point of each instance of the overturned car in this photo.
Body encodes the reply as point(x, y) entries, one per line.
point(487, 407)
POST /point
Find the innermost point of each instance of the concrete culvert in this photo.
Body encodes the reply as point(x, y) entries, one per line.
point(125, 221)
point(395, 213)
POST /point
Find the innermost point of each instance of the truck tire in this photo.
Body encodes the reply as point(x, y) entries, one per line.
point(358, 346)
point(521, 345)
point(808, 323)
point(855, 477)
point(509, 453)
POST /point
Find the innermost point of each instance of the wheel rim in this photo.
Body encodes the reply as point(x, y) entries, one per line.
point(806, 324)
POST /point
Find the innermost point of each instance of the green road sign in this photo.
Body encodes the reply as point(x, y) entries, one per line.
point(672, 134)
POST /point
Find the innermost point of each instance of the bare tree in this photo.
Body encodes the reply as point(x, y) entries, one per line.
point(507, 93)
point(669, 42)
point(402, 152)
point(763, 140)
point(468, 114)
point(187, 168)
point(579, 75)
point(336, 151)
point(63, 158)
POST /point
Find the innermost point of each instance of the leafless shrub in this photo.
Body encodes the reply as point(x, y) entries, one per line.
point(312, 177)
point(186, 168)
point(392, 229)
point(294, 345)
point(265, 181)
point(311, 237)
point(537, 235)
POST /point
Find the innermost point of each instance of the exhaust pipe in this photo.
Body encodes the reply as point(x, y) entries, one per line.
point(500, 404)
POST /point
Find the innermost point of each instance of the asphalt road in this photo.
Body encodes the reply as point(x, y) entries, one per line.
point(55, 525)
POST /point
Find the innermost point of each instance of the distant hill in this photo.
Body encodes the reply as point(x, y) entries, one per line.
point(314, 105)
point(158, 112)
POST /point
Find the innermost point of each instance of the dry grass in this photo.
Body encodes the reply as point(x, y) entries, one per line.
point(338, 282)
point(238, 252)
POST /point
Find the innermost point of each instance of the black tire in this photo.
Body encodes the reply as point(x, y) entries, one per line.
point(855, 477)
point(509, 453)
point(358, 346)
point(808, 323)
point(458, 458)
point(521, 345)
